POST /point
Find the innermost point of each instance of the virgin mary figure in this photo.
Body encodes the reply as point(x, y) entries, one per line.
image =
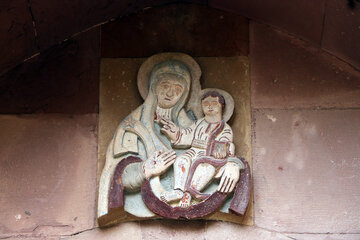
point(169, 84)
point(164, 81)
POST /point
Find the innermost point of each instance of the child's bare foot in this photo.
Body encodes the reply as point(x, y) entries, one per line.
point(185, 201)
point(172, 195)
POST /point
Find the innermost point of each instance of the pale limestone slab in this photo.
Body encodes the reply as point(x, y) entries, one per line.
point(306, 170)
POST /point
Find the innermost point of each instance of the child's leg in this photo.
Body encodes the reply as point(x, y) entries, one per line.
point(203, 175)
point(181, 170)
point(185, 200)
point(172, 195)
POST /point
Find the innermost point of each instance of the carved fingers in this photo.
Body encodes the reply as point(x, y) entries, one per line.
point(220, 151)
point(171, 134)
point(167, 158)
point(220, 154)
point(164, 121)
point(158, 163)
point(230, 175)
point(169, 129)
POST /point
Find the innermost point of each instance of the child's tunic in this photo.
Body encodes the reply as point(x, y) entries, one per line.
point(201, 136)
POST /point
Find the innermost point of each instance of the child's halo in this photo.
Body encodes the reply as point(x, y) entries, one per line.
point(229, 102)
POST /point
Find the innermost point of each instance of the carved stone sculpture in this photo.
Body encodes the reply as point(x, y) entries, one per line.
point(174, 155)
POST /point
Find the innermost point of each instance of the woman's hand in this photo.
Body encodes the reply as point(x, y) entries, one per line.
point(169, 129)
point(230, 174)
point(158, 163)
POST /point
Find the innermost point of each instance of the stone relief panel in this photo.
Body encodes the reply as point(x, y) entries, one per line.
point(176, 155)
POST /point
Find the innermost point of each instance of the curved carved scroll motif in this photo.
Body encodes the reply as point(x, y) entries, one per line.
point(209, 205)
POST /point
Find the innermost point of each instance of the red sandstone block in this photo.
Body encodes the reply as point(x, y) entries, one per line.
point(17, 35)
point(224, 230)
point(48, 174)
point(342, 31)
point(63, 79)
point(306, 167)
point(57, 20)
point(35, 238)
point(324, 236)
point(196, 30)
point(170, 229)
point(301, 17)
point(288, 73)
point(60, 19)
point(129, 230)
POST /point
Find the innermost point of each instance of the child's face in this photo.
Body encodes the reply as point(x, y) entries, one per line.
point(211, 106)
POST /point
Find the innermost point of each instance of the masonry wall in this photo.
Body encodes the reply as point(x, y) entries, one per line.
point(305, 133)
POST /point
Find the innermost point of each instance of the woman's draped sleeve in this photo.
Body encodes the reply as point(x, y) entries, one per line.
point(133, 177)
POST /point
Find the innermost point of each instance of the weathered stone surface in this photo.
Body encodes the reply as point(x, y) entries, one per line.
point(223, 230)
point(303, 18)
point(64, 79)
point(130, 230)
point(328, 236)
point(35, 238)
point(169, 229)
point(17, 33)
point(193, 29)
point(306, 170)
point(60, 19)
point(289, 73)
point(48, 169)
point(342, 31)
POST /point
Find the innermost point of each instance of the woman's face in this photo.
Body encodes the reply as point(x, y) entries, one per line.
point(169, 91)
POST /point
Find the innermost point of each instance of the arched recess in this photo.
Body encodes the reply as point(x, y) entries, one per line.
point(62, 76)
point(30, 27)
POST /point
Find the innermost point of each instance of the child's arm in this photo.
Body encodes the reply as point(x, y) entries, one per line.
point(224, 146)
point(226, 135)
point(179, 137)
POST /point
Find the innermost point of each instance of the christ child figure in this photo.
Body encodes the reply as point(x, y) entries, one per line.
point(210, 141)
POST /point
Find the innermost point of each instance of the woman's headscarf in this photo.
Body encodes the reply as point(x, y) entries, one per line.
point(179, 71)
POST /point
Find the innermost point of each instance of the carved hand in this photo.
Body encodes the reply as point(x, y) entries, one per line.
point(230, 174)
point(158, 163)
point(220, 153)
point(169, 129)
